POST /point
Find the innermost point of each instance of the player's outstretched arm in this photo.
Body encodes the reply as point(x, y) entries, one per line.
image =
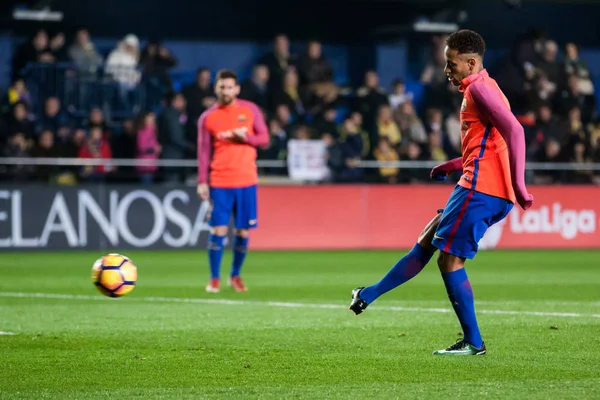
point(492, 105)
point(441, 172)
point(204, 150)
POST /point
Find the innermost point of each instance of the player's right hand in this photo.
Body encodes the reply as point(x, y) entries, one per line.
point(439, 173)
point(203, 191)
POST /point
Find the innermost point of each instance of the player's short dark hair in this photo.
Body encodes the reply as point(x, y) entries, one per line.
point(466, 42)
point(227, 74)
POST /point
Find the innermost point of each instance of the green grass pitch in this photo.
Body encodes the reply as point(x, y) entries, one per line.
point(539, 313)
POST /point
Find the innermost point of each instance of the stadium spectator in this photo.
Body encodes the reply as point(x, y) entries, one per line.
point(324, 96)
point(124, 146)
point(433, 120)
point(17, 146)
point(278, 61)
point(526, 52)
point(386, 152)
point(435, 148)
point(595, 135)
point(291, 95)
point(122, 66)
point(18, 121)
point(53, 117)
point(313, 66)
point(326, 123)
point(199, 96)
point(148, 147)
point(15, 93)
point(550, 153)
point(414, 152)
point(84, 55)
point(399, 94)
point(302, 132)
point(387, 127)
point(453, 134)
point(96, 118)
point(352, 149)
point(171, 133)
point(595, 146)
point(277, 147)
point(409, 123)
point(352, 125)
point(571, 97)
point(284, 116)
point(57, 47)
point(434, 78)
point(334, 156)
point(574, 66)
point(156, 60)
point(370, 97)
point(581, 154)
point(549, 68)
point(575, 132)
point(35, 50)
point(433, 75)
point(95, 147)
point(73, 145)
point(255, 89)
point(45, 148)
point(546, 127)
point(125, 143)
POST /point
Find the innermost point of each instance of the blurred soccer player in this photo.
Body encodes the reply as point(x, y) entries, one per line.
point(492, 181)
point(228, 133)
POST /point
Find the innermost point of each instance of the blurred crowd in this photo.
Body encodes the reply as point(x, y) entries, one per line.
point(553, 98)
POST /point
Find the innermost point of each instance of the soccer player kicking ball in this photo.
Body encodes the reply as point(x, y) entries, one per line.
point(492, 181)
point(228, 133)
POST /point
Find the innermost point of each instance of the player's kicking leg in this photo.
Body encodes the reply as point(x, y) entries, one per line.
point(466, 217)
point(405, 269)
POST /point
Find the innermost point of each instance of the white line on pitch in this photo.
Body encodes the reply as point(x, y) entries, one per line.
point(283, 304)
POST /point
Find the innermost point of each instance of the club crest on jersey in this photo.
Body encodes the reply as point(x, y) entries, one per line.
point(463, 107)
point(242, 117)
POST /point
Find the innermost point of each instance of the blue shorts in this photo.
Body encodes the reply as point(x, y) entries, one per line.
point(241, 202)
point(466, 218)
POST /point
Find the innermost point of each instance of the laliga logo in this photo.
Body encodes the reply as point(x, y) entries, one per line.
point(567, 223)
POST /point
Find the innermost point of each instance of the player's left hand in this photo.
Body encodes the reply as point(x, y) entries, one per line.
point(239, 135)
point(203, 191)
point(525, 201)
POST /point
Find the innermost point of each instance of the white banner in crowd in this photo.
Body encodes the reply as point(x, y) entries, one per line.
point(307, 160)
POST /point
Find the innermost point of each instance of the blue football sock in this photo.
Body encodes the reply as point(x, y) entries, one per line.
point(406, 268)
point(215, 254)
point(240, 248)
point(461, 296)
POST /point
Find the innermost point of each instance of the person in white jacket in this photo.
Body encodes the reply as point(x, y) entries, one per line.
point(122, 62)
point(122, 66)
